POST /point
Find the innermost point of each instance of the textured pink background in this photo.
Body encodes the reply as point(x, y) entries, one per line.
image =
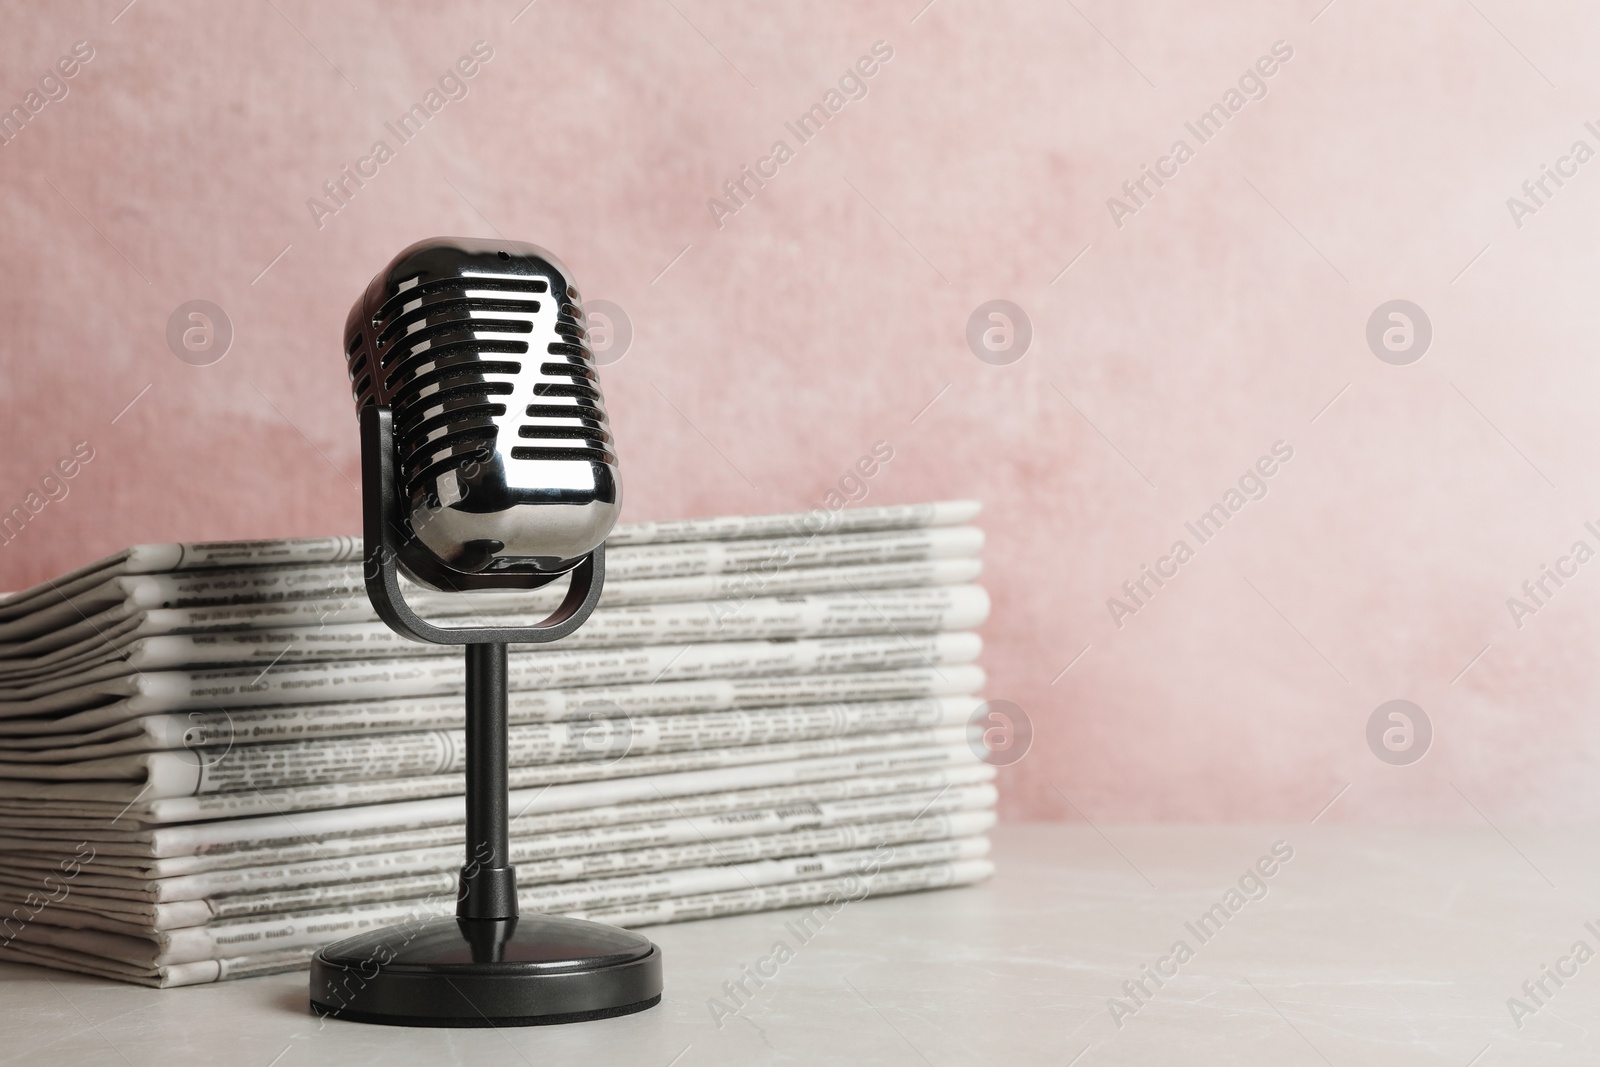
point(830, 311)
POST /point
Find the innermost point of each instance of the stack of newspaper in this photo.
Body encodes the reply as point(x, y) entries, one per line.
point(214, 758)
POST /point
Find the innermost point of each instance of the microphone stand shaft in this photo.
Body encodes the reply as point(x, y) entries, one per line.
point(488, 881)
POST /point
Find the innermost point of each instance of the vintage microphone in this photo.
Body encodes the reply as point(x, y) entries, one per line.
point(486, 463)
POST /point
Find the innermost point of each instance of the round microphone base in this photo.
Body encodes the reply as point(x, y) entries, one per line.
point(533, 971)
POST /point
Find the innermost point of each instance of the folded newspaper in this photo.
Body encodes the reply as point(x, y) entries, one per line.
point(214, 758)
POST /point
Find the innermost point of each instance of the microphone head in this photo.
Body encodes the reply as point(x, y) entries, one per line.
point(504, 455)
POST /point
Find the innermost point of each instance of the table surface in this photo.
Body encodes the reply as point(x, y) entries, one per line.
point(1365, 946)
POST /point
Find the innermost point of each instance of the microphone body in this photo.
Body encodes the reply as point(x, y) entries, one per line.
point(503, 455)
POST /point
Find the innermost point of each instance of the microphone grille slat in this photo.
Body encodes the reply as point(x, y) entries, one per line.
point(585, 433)
point(564, 411)
point(596, 455)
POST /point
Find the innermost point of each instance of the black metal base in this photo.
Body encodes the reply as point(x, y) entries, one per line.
point(532, 971)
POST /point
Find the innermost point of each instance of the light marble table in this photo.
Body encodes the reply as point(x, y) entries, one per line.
point(1366, 947)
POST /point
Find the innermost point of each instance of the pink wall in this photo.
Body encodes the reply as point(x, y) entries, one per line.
point(822, 317)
